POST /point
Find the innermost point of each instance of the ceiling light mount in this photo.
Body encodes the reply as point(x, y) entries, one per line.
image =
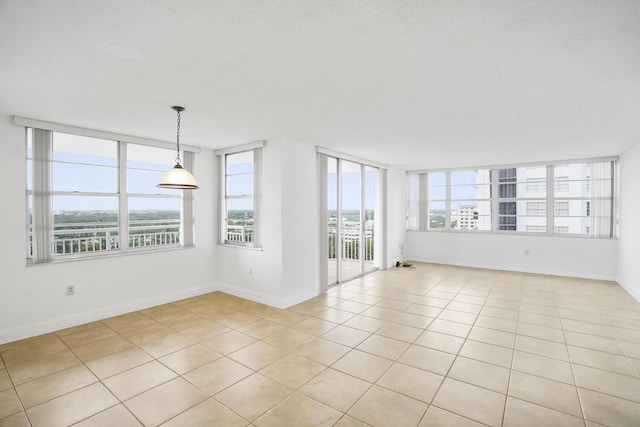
point(178, 177)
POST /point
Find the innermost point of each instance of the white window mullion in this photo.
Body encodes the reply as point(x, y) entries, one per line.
point(187, 214)
point(447, 203)
point(423, 209)
point(362, 216)
point(249, 236)
point(257, 197)
point(495, 195)
point(123, 202)
point(551, 197)
point(222, 191)
point(413, 201)
point(339, 240)
point(41, 215)
point(380, 224)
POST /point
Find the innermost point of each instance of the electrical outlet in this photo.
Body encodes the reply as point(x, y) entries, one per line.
point(526, 251)
point(71, 290)
point(250, 271)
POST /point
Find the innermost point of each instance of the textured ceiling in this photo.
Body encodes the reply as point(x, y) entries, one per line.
point(416, 84)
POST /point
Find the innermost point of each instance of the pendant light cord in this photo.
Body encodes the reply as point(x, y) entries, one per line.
point(178, 162)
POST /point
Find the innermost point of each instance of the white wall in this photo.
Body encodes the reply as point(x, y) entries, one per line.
point(284, 271)
point(33, 298)
point(300, 212)
point(396, 216)
point(629, 242)
point(564, 256)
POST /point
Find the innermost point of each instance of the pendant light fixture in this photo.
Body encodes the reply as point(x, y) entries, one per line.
point(178, 177)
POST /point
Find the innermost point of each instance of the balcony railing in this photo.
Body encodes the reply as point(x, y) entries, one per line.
point(239, 233)
point(350, 240)
point(77, 238)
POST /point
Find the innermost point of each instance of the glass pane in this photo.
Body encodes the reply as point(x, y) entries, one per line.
point(239, 163)
point(29, 174)
point(468, 192)
point(145, 182)
point(29, 143)
point(436, 215)
point(562, 208)
point(507, 223)
point(369, 216)
point(84, 224)
point(534, 185)
point(29, 226)
point(507, 191)
point(484, 215)
point(463, 177)
point(536, 208)
point(154, 158)
point(351, 216)
point(464, 215)
point(332, 218)
point(507, 208)
point(239, 224)
point(154, 221)
point(240, 185)
point(437, 186)
point(82, 149)
point(84, 178)
point(507, 175)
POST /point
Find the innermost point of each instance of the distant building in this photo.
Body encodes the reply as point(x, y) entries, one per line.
point(467, 216)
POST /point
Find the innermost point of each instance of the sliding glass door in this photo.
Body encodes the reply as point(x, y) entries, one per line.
point(351, 204)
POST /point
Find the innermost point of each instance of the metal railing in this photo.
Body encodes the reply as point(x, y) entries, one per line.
point(77, 238)
point(239, 233)
point(350, 240)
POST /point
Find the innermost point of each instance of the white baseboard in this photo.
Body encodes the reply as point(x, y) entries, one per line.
point(63, 322)
point(262, 298)
point(581, 275)
point(632, 291)
point(273, 301)
point(250, 295)
point(301, 297)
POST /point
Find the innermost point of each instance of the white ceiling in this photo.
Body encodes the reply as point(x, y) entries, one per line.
point(410, 83)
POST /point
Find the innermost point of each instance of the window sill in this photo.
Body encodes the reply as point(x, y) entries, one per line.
point(514, 233)
point(111, 254)
point(249, 248)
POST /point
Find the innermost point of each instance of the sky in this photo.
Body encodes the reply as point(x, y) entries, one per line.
point(84, 164)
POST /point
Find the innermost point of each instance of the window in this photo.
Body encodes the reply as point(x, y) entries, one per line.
point(153, 215)
point(561, 183)
point(536, 208)
point(571, 199)
point(85, 211)
point(586, 208)
point(456, 200)
point(536, 184)
point(437, 200)
point(561, 209)
point(90, 196)
point(507, 191)
point(470, 204)
point(240, 195)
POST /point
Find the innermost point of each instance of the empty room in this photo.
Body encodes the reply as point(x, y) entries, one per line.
point(320, 213)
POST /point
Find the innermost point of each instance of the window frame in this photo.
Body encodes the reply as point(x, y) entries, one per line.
point(256, 148)
point(39, 136)
point(419, 205)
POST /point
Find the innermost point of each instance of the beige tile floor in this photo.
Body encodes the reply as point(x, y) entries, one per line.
point(426, 346)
